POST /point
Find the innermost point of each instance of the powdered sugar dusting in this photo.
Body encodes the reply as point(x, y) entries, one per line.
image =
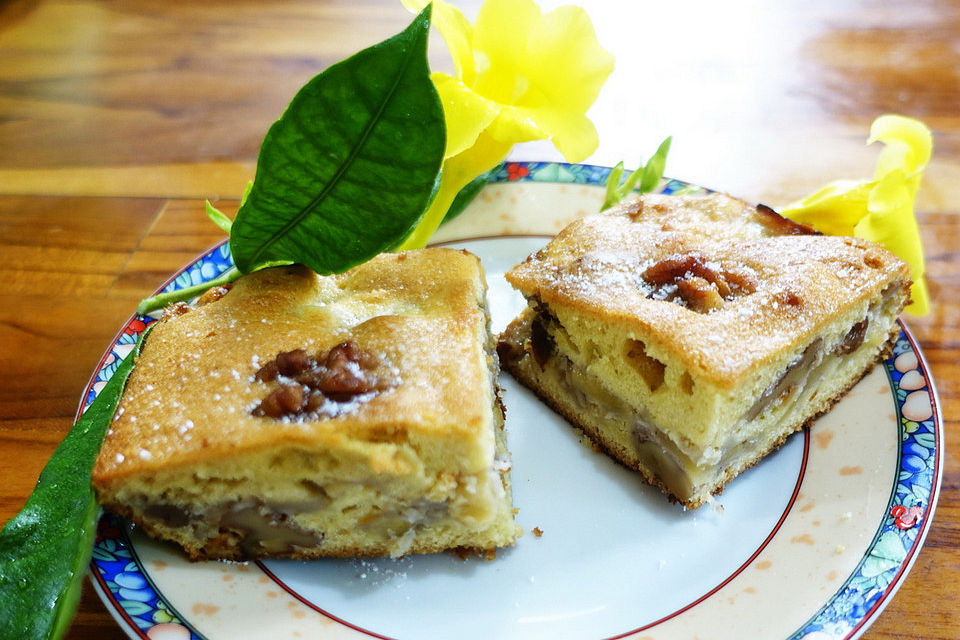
point(381, 572)
point(596, 266)
point(422, 320)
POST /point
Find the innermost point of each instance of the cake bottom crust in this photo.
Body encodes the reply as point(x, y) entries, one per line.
point(584, 402)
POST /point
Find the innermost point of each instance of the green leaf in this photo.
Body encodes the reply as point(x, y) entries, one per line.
point(45, 548)
point(218, 217)
point(654, 169)
point(467, 194)
point(246, 192)
point(352, 164)
point(613, 183)
point(647, 175)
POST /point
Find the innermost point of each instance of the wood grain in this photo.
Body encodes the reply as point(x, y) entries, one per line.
point(119, 117)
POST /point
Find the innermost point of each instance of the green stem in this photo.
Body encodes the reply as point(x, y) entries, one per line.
point(430, 222)
point(178, 295)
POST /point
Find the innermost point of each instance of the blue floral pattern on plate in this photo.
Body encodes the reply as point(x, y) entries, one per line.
point(126, 586)
point(121, 575)
point(909, 510)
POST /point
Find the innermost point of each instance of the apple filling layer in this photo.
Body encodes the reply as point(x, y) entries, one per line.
point(377, 517)
point(540, 352)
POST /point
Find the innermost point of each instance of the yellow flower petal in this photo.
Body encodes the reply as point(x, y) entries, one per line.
point(521, 75)
point(456, 31)
point(834, 209)
point(551, 66)
point(880, 210)
point(891, 223)
point(553, 76)
point(514, 125)
point(415, 6)
point(487, 153)
point(500, 44)
point(466, 113)
point(565, 62)
point(573, 135)
point(457, 172)
point(908, 145)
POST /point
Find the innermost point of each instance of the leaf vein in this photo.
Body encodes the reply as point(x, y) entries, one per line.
point(342, 169)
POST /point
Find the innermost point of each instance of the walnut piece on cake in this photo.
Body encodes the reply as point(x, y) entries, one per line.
point(689, 336)
point(304, 416)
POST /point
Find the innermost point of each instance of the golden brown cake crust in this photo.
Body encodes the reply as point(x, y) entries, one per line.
point(599, 265)
point(164, 422)
point(717, 216)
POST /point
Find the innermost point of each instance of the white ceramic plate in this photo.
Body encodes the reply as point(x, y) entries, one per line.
point(811, 543)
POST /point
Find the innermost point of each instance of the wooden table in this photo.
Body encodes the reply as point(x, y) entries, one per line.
point(118, 118)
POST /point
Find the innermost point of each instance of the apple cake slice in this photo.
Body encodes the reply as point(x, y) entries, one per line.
point(302, 416)
point(689, 336)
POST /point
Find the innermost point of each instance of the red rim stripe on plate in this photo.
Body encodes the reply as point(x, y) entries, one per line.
point(721, 585)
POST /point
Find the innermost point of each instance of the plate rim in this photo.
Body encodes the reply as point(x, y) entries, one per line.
point(585, 174)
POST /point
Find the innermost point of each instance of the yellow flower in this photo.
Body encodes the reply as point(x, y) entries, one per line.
point(520, 75)
point(881, 209)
